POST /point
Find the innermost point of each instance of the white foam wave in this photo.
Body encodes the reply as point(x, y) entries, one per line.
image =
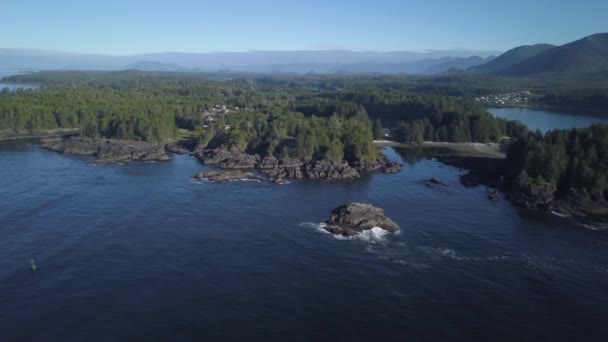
point(596, 227)
point(374, 235)
point(556, 213)
point(246, 180)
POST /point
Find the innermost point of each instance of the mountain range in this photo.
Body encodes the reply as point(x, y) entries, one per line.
point(318, 61)
point(587, 56)
point(582, 57)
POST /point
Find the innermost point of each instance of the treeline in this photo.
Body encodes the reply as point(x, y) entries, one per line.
point(458, 127)
point(566, 159)
point(587, 99)
point(389, 105)
point(97, 112)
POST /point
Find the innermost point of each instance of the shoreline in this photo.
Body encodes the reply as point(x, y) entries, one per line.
point(484, 164)
point(472, 150)
point(52, 133)
point(576, 111)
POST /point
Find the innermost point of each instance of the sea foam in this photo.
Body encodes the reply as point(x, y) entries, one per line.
point(374, 235)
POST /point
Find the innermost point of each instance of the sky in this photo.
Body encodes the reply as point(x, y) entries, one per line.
point(122, 27)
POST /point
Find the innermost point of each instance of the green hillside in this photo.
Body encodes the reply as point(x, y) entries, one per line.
point(585, 56)
point(512, 57)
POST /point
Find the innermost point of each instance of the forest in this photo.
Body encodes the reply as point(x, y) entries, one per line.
point(566, 159)
point(262, 117)
point(299, 116)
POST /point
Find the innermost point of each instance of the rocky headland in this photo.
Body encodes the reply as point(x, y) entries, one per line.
point(530, 193)
point(278, 170)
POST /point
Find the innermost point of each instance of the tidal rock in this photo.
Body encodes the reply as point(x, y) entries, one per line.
point(227, 176)
point(108, 151)
point(433, 182)
point(437, 181)
point(354, 218)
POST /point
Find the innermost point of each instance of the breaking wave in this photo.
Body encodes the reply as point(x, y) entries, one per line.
point(374, 235)
point(556, 213)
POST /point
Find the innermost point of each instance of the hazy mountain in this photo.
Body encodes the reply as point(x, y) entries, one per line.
point(512, 57)
point(155, 66)
point(322, 61)
point(428, 66)
point(456, 63)
point(584, 56)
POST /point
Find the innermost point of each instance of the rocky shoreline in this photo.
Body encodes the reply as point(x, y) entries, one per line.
point(531, 194)
point(228, 176)
point(278, 170)
point(108, 151)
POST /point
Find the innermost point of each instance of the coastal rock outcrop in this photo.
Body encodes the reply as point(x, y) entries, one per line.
point(279, 170)
point(108, 151)
point(582, 203)
point(381, 164)
point(354, 218)
point(228, 159)
point(531, 194)
point(176, 147)
point(327, 169)
point(316, 169)
point(227, 176)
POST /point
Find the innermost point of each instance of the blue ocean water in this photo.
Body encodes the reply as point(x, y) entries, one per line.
point(141, 252)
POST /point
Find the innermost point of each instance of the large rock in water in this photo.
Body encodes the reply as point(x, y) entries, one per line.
point(108, 151)
point(354, 218)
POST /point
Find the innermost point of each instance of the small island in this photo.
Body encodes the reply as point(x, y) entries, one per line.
point(354, 218)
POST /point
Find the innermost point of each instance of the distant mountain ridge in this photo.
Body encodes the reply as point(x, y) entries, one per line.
point(319, 61)
point(585, 56)
point(155, 66)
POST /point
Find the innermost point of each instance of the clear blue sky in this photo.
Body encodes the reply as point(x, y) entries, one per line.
point(126, 26)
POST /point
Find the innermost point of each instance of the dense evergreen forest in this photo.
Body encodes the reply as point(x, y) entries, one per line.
point(457, 126)
point(298, 116)
point(266, 116)
point(565, 159)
